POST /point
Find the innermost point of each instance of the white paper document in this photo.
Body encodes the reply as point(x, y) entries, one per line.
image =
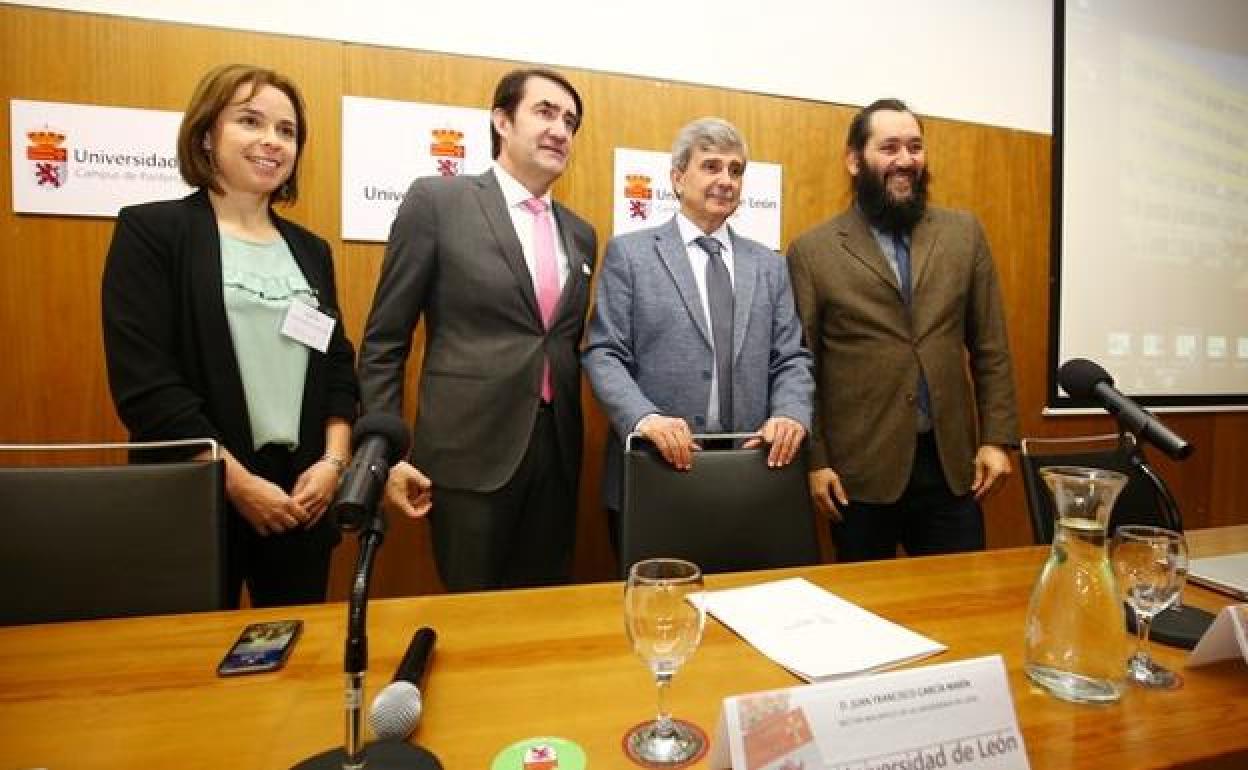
point(953, 715)
point(813, 633)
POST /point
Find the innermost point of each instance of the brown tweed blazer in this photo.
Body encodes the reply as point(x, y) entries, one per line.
point(869, 346)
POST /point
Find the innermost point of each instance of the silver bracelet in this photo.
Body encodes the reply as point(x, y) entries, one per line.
point(339, 463)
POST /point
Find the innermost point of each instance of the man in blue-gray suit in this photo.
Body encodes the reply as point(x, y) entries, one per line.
point(694, 327)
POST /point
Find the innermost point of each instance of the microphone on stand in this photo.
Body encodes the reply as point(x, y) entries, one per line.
point(1085, 380)
point(1180, 625)
point(379, 441)
point(397, 708)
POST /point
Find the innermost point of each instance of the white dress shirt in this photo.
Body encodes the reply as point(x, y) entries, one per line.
point(515, 194)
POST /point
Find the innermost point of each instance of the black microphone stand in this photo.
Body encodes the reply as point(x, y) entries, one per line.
point(1181, 625)
point(353, 755)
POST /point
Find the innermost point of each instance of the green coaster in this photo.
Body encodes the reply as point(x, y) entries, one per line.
point(545, 752)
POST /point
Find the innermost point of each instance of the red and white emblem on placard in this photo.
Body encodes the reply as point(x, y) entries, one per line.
point(447, 151)
point(785, 738)
point(638, 193)
point(541, 757)
point(50, 161)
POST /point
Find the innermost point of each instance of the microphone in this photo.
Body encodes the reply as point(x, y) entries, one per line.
point(378, 441)
point(1083, 379)
point(397, 708)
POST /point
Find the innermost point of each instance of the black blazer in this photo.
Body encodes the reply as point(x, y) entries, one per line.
point(453, 257)
point(171, 362)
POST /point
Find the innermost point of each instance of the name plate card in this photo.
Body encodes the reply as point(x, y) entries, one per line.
point(953, 715)
point(1226, 638)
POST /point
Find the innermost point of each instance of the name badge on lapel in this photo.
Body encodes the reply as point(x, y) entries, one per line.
point(307, 325)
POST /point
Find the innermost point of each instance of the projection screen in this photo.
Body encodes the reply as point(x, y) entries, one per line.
point(1150, 210)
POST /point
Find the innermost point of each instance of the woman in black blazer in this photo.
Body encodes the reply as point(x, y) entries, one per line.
point(189, 346)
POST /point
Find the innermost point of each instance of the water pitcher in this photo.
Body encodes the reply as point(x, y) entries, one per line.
point(1074, 633)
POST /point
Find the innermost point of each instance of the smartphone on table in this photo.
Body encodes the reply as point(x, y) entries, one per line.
point(261, 647)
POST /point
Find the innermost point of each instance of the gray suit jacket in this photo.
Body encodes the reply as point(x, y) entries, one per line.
point(454, 257)
point(869, 348)
point(649, 345)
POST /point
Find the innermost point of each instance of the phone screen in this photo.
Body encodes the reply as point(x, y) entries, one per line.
point(261, 647)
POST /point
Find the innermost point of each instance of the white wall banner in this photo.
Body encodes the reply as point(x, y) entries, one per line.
point(644, 198)
point(84, 160)
point(386, 144)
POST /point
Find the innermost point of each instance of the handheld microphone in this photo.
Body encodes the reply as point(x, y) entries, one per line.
point(379, 440)
point(397, 708)
point(1083, 379)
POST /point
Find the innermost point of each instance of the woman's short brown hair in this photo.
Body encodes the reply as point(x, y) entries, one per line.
point(212, 95)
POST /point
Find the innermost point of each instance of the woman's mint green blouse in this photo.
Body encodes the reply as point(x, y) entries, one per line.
point(260, 282)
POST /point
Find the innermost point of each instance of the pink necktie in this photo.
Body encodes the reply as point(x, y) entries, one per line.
point(547, 275)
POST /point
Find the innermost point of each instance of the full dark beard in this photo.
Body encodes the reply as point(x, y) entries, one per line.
point(884, 213)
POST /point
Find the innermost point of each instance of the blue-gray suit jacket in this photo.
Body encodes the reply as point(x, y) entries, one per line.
point(649, 346)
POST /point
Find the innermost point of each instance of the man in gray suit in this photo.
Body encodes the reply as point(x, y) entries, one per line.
point(501, 274)
point(694, 327)
point(900, 301)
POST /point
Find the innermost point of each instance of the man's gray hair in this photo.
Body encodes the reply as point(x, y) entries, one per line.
point(707, 134)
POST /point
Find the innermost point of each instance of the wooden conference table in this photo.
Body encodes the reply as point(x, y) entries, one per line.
point(510, 665)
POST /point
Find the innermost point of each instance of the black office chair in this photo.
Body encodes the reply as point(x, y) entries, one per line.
point(730, 513)
point(86, 542)
point(1136, 504)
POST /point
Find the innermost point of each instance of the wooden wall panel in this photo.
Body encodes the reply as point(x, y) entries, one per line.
point(53, 387)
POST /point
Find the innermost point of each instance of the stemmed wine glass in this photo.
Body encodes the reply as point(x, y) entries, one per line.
point(1149, 563)
point(665, 629)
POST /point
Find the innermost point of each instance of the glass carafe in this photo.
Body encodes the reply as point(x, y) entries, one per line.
point(1074, 632)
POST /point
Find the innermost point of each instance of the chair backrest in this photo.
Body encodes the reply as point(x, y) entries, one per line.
point(84, 542)
point(1136, 504)
point(730, 513)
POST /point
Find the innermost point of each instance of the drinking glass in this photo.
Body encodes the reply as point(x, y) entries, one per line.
point(1149, 562)
point(665, 629)
point(1182, 568)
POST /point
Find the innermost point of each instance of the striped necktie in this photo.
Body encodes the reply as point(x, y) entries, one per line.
point(719, 297)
